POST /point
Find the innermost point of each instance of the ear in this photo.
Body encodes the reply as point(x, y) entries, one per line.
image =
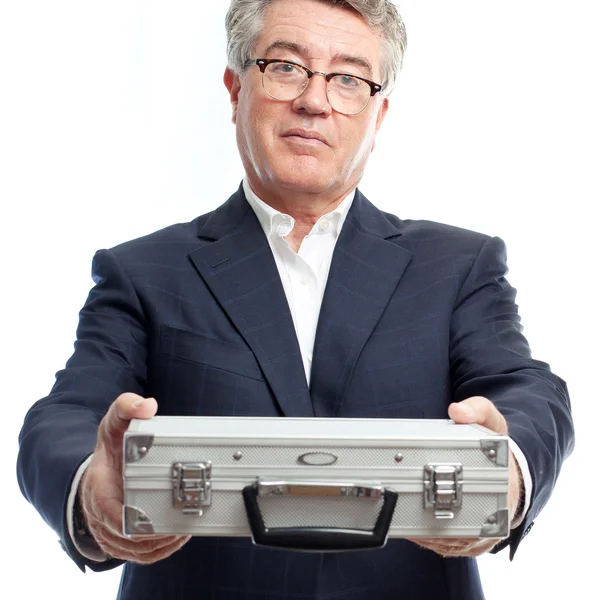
point(380, 117)
point(233, 85)
point(382, 112)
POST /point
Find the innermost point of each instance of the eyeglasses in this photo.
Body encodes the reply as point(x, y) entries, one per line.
point(286, 80)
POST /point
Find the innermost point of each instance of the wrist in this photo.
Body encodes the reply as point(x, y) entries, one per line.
point(80, 525)
point(518, 494)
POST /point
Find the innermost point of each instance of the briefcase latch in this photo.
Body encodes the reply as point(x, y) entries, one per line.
point(192, 487)
point(442, 487)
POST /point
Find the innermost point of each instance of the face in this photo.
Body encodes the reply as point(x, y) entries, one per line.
point(304, 146)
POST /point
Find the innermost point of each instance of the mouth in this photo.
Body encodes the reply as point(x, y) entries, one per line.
point(303, 136)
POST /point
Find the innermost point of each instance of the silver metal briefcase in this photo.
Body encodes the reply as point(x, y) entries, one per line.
point(314, 484)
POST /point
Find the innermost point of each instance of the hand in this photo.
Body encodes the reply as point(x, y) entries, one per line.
point(101, 488)
point(481, 411)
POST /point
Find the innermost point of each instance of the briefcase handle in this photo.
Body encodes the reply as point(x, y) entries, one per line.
point(318, 539)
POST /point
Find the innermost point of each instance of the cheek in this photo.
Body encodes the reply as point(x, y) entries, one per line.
point(255, 136)
point(251, 116)
point(357, 141)
point(247, 124)
point(258, 131)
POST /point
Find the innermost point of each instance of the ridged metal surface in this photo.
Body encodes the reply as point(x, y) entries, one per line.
point(228, 508)
point(347, 457)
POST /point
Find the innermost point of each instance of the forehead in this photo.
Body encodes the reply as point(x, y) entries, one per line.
point(325, 34)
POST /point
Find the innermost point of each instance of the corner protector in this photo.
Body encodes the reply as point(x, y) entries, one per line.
point(136, 522)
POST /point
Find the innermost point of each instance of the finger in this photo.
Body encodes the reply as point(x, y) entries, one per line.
point(136, 554)
point(166, 551)
point(439, 548)
point(103, 507)
point(126, 407)
point(451, 542)
point(479, 410)
point(459, 547)
point(111, 532)
point(475, 549)
point(443, 544)
point(466, 552)
point(141, 546)
point(448, 541)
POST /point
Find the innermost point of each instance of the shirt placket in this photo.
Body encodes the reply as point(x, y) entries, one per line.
point(303, 273)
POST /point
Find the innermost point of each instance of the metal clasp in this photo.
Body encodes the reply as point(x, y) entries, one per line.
point(442, 489)
point(192, 487)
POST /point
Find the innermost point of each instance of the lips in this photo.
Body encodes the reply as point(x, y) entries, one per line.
point(306, 136)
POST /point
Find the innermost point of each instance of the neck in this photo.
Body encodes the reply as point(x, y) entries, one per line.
point(306, 208)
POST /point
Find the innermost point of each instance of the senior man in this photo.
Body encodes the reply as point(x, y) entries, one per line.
point(297, 297)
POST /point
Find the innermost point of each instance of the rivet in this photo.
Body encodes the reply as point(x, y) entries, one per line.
point(237, 455)
point(398, 458)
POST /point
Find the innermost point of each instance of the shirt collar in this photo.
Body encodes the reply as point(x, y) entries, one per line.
point(272, 220)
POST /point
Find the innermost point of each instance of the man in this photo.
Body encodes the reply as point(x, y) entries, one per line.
point(297, 297)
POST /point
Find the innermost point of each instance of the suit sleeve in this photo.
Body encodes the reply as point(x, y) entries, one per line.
point(489, 356)
point(60, 431)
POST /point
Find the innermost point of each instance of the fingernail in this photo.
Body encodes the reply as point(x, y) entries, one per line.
point(137, 403)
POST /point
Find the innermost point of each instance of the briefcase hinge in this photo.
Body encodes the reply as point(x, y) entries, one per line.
point(442, 487)
point(192, 487)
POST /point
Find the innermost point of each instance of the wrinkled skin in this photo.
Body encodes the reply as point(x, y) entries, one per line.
point(481, 411)
point(101, 488)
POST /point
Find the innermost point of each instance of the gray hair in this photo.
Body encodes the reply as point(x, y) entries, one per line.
point(245, 19)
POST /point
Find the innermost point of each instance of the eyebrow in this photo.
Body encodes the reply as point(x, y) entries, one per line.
point(301, 50)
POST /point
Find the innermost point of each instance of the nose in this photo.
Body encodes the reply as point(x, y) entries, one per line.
point(314, 98)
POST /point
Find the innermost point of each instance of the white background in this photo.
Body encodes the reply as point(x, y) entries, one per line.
point(114, 122)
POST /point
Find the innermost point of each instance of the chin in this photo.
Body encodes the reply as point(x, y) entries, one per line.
point(304, 175)
point(307, 184)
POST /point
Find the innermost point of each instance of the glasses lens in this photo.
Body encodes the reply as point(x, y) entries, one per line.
point(284, 82)
point(348, 95)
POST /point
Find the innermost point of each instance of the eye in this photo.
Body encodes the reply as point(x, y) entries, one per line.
point(283, 68)
point(348, 81)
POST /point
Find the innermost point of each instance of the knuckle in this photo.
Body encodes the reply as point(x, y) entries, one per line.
point(152, 556)
point(124, 400)
point(153, 545)
point(142, 559)
point(146, 546)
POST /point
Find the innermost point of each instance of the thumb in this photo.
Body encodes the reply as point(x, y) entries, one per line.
point(479, 410)
point(126, 407)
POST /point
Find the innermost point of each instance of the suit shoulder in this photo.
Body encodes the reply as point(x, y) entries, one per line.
point(178, 235)
point(423, 227)
point(422, 230)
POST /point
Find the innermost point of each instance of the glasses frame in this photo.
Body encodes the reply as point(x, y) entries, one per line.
point(263, 63)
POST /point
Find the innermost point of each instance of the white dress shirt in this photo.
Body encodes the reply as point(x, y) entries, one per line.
point(303, 276)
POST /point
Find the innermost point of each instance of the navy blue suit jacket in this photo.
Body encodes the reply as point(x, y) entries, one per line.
point(415, 315)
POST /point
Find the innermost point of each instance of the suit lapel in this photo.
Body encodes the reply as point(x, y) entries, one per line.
point(239, 269)
point(365, 270)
